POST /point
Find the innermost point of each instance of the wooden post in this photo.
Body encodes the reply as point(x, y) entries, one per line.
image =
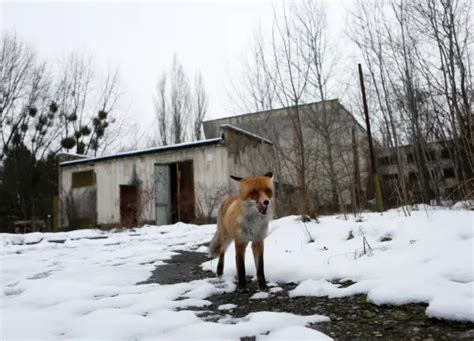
point(375, 175)
point(357, 186)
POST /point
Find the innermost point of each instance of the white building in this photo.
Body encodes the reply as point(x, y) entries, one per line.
point(159, 185)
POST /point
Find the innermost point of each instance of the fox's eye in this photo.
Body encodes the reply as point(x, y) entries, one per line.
point(253, 194)
point(268, 192)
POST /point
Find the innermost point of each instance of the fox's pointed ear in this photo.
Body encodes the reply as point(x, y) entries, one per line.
point(236, 178)
point(269, 175)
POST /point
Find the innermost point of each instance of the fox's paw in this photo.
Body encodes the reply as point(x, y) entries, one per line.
point(262, 286)
point(243, 290)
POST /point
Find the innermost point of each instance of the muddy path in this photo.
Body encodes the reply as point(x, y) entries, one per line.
point(352, 318)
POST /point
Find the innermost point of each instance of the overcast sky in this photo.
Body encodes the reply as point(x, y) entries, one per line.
point(140, 38)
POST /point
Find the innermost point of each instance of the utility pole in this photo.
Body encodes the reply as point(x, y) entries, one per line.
point(375, 175)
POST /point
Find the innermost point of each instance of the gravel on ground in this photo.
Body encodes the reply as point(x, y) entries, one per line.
point(352, 318)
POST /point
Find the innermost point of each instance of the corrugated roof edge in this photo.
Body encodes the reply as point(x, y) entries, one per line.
point(144, 151)
point(72, 154)
point(245, 132)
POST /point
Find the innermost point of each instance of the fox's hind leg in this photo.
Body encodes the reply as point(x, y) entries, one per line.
point(220, 264)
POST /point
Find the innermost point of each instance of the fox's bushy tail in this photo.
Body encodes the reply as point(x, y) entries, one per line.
point(215, 245)
point(219, 243)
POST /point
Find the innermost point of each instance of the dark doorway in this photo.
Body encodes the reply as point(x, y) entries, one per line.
point(182, 191)
point(128, 205)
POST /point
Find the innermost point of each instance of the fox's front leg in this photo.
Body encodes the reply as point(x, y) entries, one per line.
point(257, 248)
point(240, 262)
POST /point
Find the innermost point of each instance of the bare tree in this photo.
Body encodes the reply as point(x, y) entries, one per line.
point(179, 108)
point(312, 37)
point(288, 71)
point(161, 110)
point(180, 101)
point(419, 55)
point(447, 26)
point(368, 32)
point(295, 67)
point(85, 104)
point(199, 106)
point(17, 68)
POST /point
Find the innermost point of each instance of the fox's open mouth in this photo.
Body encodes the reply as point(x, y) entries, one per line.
point(262, 209)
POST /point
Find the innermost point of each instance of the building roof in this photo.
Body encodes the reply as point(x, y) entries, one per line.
point(271, 110)
point(140, 152)
point(245, 132)
point(72, 155)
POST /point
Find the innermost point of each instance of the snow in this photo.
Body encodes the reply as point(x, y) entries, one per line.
point(228, 306)
point(260, 296)
point(253, 324)
point(275, 289)
point(463, 205)
point(296, 332)
point(426, 257)
point(83, 284)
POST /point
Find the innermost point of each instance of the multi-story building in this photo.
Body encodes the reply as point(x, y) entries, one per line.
point(440, 171)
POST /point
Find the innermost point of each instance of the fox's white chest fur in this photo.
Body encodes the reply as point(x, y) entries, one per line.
point(253, 224)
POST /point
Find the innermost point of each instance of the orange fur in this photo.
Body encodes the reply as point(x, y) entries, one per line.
point(244, 218)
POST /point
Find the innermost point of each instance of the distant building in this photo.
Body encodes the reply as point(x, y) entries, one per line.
point(440, 167)
point(159, 185)
point(320, 122)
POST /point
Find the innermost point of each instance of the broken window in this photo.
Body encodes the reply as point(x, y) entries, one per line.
point(83, 179)
point(445, 153)
point(430, 156)
point(387, 161)
point(449, 173)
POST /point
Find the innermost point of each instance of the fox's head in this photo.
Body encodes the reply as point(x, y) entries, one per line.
point(257, 191)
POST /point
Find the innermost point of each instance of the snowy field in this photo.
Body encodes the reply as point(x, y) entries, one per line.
point(82, 284)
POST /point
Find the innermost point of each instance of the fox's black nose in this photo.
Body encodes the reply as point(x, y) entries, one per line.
point(266, 202)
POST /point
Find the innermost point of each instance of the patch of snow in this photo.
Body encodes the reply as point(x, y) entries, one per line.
point(228, 306)
point(295, 332)
point(275, 289)
point(464, 205)
point(260, 296)
point(253, 324)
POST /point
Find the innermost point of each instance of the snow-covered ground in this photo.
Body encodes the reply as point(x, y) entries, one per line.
point(82, 284)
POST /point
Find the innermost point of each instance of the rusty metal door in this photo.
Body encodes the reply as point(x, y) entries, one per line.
point(186, 198)
point(128, 205)
point(162, 194)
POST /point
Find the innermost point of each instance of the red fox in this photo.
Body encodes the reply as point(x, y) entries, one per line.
point(244, 218)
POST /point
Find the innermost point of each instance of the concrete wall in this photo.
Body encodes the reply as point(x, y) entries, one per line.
point(247, 156)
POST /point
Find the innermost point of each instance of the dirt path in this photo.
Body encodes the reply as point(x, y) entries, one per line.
point(351, 317)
